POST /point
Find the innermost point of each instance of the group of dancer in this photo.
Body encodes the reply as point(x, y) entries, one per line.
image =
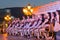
point(39, 25)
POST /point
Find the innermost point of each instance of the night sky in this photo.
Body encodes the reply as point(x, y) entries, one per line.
point(22, 3)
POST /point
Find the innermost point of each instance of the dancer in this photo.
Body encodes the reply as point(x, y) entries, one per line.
point(57, 27)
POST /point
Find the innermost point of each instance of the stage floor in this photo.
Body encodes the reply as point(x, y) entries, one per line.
point(9, 37)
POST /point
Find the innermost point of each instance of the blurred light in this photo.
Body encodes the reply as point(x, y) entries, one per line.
point(7, 18)
point(29, 13)
point(31, 10)
point(8, 11)
point(6, 25)
point(29, 7)
point(25, 11)
point(12, 17)
point(28, 10)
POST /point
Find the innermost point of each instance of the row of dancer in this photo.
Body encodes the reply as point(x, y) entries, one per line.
point(31, 24)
